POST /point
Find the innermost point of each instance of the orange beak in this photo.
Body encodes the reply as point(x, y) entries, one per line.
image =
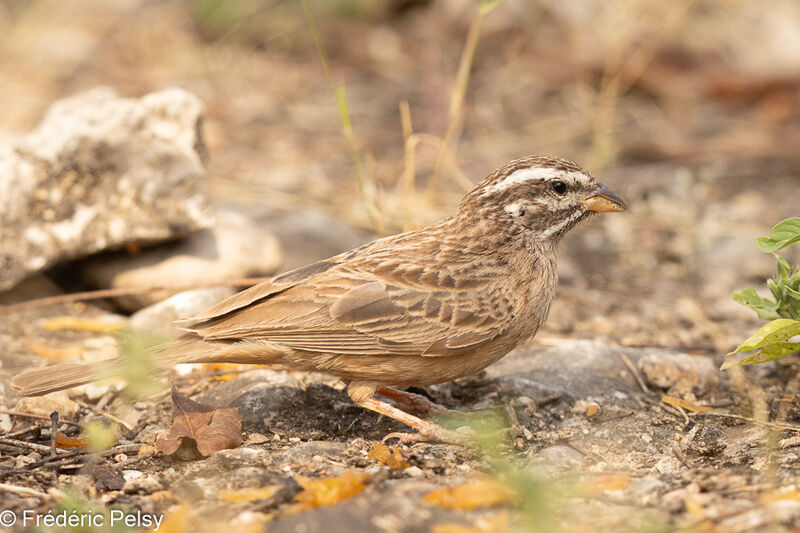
point(603, 200)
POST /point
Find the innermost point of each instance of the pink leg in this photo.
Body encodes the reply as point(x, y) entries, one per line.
point(427, 430)
point(409, 401)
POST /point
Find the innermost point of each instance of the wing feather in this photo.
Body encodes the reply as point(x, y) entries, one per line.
point(347, 310)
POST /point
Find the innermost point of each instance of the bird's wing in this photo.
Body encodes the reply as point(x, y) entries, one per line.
point(257, 293)
point(396, 310)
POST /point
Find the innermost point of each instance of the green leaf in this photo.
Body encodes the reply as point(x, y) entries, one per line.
point(773, 332)
point(783, 268)
point(770, 353)
point(793, 293)
point(782, 234)
point(764, 307)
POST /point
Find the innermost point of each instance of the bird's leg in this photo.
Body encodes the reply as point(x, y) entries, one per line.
point(410, 401)
point(427, 430)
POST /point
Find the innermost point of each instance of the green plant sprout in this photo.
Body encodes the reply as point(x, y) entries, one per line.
point(773, 339)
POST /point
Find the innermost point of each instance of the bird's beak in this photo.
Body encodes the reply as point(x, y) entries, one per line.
point(603, 200)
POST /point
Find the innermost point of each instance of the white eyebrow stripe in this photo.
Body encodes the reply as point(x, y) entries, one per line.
point(535, 173)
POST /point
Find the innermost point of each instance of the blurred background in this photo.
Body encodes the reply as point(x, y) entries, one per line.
point(300, 130)
point(360, 118)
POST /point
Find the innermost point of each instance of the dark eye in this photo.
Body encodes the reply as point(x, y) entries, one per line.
point(559, 187)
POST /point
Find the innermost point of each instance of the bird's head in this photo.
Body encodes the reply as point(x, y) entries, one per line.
point(542, 197)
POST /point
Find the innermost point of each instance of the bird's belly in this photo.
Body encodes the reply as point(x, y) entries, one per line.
point(403, 370)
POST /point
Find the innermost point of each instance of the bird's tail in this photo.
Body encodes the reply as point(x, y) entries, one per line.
point(162, 358)
point(64, 376)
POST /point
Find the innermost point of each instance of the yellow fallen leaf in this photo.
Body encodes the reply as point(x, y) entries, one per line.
point(176, 520)
point(592, 409)
point(695, 509)
point(677, 402)
point(83, 324)
point(775, 496)
point(328, 491)
point(480, 493)
point(57, 354)
point(249, 495)
point(393, 458)
point(606, 482)
point(161, 495)
point(146, 448)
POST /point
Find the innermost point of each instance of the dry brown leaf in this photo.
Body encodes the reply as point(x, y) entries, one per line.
point(74, 443)
point(211, 429)
point(249, 495)
point(393, 458)
point(83, 324)
point(479, 493)
point(592, 409)
point(606, 482)
point(328, 491)
point(678, 402)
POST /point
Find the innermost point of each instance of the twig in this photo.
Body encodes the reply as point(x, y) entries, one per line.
point(105, 399)
point(21, 432)
point(785, 427)
point(53, 433)
point(65, 458)
point(25, 445)
point(36, 417)
point(23, 491)
point(68, 458)
point(114, 293)
point(682, 411)
point(116, 419)
point(634, 372)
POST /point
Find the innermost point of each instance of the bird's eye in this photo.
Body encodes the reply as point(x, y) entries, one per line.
point(559, 187)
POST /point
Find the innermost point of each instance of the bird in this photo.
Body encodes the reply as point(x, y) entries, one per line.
point(408, 310)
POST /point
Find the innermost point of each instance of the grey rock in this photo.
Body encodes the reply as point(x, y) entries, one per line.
point(30, 288)
point(99, 172)
point(309, 236)
point(142, 484)
point(235, 247)
point(557, 458)
point(157, 319)
point(680, 373)
point(259, 406)
point(238, 457)
point(226, 393)
point(394, 506)
point(305, 452)
point(581, 369)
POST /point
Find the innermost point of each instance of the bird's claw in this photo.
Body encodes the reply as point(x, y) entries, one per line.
point(464, 436)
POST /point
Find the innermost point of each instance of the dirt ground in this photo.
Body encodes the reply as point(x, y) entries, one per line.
point(689, 111)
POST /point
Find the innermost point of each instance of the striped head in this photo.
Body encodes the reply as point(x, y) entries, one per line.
point(543, 197)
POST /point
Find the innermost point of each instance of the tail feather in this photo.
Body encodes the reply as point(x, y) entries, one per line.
point(67, 375)
point(63, 376)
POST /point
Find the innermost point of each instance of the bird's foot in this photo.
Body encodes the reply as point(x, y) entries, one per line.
point(427, 430)
point(464, 436)
point(411, 401)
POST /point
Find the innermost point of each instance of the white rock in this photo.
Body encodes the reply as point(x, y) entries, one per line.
point(100, 171)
